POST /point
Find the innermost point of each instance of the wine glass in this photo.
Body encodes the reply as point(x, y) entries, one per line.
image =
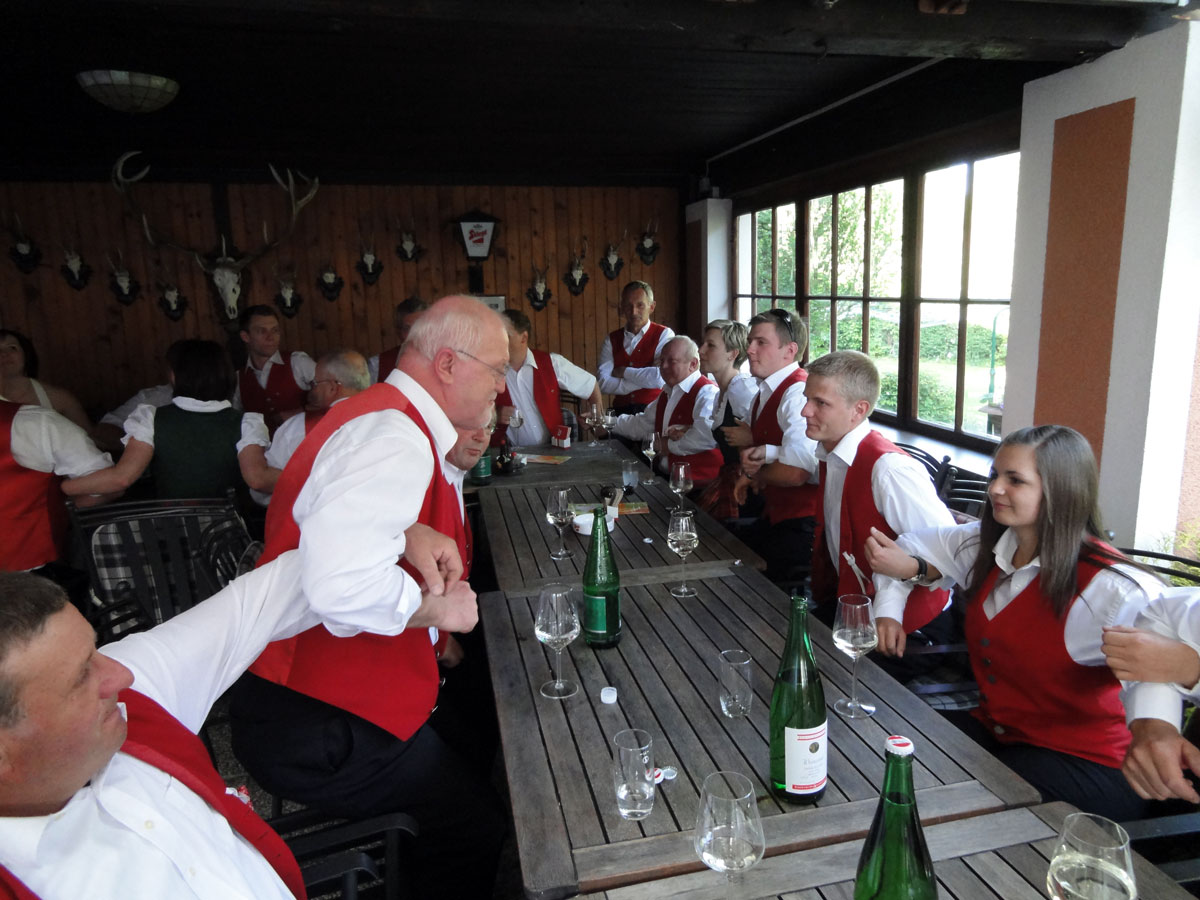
point(558, 514)
point(556, 626)
point(855, 635)
point(682, 539)
point(729, 835)
point(736, 688)
point(651, 446)
point(515, 420)
point(681, 480)
point(591, 419)
point(608, 420)
point(1091, 860)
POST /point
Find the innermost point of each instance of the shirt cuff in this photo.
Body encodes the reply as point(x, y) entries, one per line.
point(890, 598)
point(1144, 700)
point(772, 451)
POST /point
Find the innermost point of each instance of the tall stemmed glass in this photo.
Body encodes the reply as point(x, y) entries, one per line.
point(682, 539)
point(729, 836)
point(681, 480)
point(515, 420)
point(608, 420)
point(591, 419)
point(651, 446)
point(558, 514)
point(855, 635)
point(1092, 860)
point(556, 626)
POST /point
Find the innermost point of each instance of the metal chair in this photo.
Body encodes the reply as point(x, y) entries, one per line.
point(1179, 570)
point(965, 493)
point(938, 470)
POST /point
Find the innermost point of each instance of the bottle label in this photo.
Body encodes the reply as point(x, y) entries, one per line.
point(595, 613)
point(805, 759)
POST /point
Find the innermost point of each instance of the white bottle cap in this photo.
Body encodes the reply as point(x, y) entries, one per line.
point(608, 695)
point(901, 746)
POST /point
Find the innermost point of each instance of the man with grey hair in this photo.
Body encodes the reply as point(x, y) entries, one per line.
point(683, 414)
point(868, 484)
point(406, 314)
point(628, 366)
point(347, 725)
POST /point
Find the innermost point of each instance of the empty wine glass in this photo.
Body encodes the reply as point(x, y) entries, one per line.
point(1091, 860)
point(681, 480)
point(608, 420)
point(556, 626)
point(682, 539)
point(515, 420)
point(558, 514)
point(729, 835)
point(591, 419)
point(651, 446)
point(855, 635)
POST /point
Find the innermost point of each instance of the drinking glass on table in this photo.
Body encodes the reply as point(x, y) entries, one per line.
point(633, 773)
point(682, 539)
point(592, 419)
point(1091, 861)
point(736, 691)
point(515, 420)
point(855, 635)
point(556, 626)
point(681, 480)
point(651, 446)
point(608, 420)
point(629, 476)
point(729, 835)
point(558, 514)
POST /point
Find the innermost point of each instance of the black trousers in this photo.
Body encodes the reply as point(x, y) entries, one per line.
point(329, 759)
point(786, 546)
point(1088, 785)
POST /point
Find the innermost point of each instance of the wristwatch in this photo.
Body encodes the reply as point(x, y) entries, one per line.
point(922, 570)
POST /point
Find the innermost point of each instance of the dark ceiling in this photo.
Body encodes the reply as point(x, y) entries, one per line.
point(540, 91)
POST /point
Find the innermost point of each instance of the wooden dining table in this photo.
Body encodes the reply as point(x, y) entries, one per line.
point(557, 754)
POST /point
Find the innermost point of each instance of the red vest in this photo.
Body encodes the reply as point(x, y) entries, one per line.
point(545, 396)
point(858, 516)
point(387, 362)
point(706, 464)
point(279, 396)
point(159, 739)
point(390, 680)
point(33, 519)
point(1032, 689)
point(642, 357)
point(781, 503)
point(312, 417)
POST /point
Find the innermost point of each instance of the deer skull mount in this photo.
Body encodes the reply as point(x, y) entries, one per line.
point(171, 302)
point(330, 283)
point(369, 266)
point(611, 262)
point(25, 254)
point(225, 270)
point(576, 279)
point(647, 248)
point(74, 269)
point(408, 249)
point(287, 298)
point(538, 293)
point(121, 282)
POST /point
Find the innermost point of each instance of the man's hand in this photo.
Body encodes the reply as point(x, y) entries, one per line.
point(676, 432)
point(891, 636)
point(885, 557)
point(753, 459)
point(741, 489)
point(454, 610)
point(504, 413)
point(452, 653)
point(1137, 655)
point(738, 435)
point(434, 556)
point(1154, 763)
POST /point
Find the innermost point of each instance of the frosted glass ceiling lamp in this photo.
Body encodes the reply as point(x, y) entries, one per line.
point(129, 92)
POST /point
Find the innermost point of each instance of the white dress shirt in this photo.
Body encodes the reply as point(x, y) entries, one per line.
point(133, 831)
point(288, 437)
point(570, 378)
point(739, 394)
point(366, 487)
point(900, 487)
point(1174, 614)
point(697, 439)
point(159, 395)
point(46, 441)
point(797, 449)
point(633, 379)
point(304, 370)
point(140, 424)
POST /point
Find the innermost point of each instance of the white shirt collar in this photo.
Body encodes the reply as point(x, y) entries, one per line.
point(847, 448)
point(773, 381)
point(641, 331)
point(191, 404)
point(444, 433)
point(1006, 548)
point(530, 359)
point(686, 385)
point(276, 359)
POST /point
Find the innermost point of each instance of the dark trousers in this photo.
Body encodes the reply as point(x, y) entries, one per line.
point(1088, 785)
point(786, 546)
point(329, 759)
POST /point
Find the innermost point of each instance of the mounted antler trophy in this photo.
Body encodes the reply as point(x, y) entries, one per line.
point(24, 253)
point(330, 282)
point(408, 249)
point(170, 301)
point(74, 269)
point(287, 299)
point(647, 248)
point(538, 293)
point(611, 262)
point(225, 270)
point(123, 285)
point(576, 279)
point(369, 266)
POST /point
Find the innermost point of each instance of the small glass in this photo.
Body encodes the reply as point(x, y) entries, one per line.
point(729, 835)
point(682, 538)
point(629, 475)
point(558, 514)
point(855, 635)
point(736, 691)
point(556, 626)
point(633, 773)
point(515, 420)
point(591, 419)
point(651, 446)
point(1091, 860)
point(681, 480)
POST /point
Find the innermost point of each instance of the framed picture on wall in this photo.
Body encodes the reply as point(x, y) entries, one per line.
point(493, 301)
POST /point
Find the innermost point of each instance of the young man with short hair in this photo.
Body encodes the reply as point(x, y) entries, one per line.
point(628, 366)
point(272, 382)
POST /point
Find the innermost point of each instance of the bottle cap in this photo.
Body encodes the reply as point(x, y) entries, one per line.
point(901, 746)
point(608, 695)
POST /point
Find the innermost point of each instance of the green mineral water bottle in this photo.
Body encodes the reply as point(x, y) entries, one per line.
point(601, 589)
point(895, 863)
point(798, 734)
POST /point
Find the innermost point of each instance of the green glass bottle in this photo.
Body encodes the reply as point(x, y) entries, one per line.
point(895, 863)
point(799, 734)
point(601, 589)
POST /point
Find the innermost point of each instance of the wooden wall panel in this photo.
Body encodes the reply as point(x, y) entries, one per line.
point(104, 351)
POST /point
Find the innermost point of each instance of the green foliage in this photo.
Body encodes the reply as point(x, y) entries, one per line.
point(1184, 542)
point(935, 401)
point(940, 342)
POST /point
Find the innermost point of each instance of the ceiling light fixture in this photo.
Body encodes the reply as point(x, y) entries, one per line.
point(128, 92)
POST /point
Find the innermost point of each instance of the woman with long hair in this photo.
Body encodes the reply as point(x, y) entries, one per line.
point(1040, 587)
point(722, 353)
point(19, 363)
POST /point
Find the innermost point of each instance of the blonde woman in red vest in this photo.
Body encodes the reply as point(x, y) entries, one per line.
point(1041, 587)
point(628, 366)
point(273, 382)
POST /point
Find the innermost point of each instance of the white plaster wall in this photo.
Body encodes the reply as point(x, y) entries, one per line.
point(1154, 333)
point(716, 218)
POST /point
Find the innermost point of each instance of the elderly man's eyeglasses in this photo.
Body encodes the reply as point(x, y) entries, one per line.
point(497, 371)
point(326, 381)
point(785, 317)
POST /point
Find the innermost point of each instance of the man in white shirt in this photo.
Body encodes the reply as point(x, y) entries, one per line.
point(109, 430)
point(534, 379)
point(683, 414)
point(628, 366)
point(272, 382)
